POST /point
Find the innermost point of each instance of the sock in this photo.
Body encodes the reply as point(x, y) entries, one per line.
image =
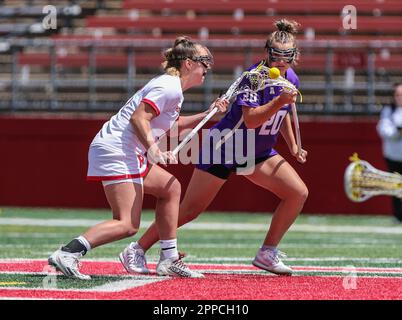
point(169, 249)
point(136, 245)
point(84, 242)
point(79, 244)
point(272, 248)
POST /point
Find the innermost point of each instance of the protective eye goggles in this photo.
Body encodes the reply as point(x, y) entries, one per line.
point(287, 55)
point(206, 61)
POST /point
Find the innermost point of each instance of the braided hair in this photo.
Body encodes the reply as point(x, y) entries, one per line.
point(285, 33)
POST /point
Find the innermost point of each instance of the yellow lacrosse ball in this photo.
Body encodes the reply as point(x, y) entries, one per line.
point(274, 73)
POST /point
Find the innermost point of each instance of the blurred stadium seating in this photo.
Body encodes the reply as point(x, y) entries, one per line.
point(102, 51)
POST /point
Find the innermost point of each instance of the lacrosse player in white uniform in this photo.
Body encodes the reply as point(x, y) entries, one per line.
point(124, 156)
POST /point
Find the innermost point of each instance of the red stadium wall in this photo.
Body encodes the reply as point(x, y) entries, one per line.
point(44, 163)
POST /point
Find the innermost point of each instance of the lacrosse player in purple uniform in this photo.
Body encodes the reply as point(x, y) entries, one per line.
point(258, 117)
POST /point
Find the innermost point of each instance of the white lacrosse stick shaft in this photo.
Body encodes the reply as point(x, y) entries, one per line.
point(297, 128)
point(227, 95)
point(194, 131)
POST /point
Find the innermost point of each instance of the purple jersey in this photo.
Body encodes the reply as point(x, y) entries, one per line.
point(264, 137)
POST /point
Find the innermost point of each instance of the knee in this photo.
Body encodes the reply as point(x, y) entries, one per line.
point(128, 230)
point(175, 189)
point(131, 231)
point(298, 194)
point(302, 194)
point(172, 190)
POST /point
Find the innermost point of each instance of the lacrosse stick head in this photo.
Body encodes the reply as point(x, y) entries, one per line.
point(362, 181)
point(258, 79)
point(263, 77)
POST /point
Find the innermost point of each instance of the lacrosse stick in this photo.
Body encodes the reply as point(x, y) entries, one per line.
point(297, 128)
point(194, 131)
point(362, 181)
point(257, 79)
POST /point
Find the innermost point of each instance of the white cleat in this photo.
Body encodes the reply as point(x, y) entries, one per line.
point(171, 267)
point(68, 264)
point(133, 259)
point(269, 260)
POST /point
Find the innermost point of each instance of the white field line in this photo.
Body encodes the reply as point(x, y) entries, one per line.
point(210, 226)
point(199, 260)
point(244, 240)
point(296, 272)
point(122, 285)
point(325, 259)
point(37, 235)
point(112, 286)
point(220, 266)
point(49, 222)
point(193, 259)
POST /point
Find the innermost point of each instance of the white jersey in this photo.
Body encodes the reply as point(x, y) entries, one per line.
point(116, 151)
point(389, 128)
point(163, 94)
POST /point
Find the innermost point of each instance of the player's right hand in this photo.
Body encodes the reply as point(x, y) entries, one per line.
point(287, 97)
point(302, 157)
point(221, 104)
point(156, 156)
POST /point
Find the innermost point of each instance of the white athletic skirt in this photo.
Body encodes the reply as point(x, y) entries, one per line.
point(115, 166)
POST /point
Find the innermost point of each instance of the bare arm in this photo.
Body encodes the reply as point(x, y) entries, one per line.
point(255, 117)
point(288, 135)
point(141, 122)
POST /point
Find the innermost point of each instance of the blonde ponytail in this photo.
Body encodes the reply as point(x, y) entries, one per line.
point(182, 49)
